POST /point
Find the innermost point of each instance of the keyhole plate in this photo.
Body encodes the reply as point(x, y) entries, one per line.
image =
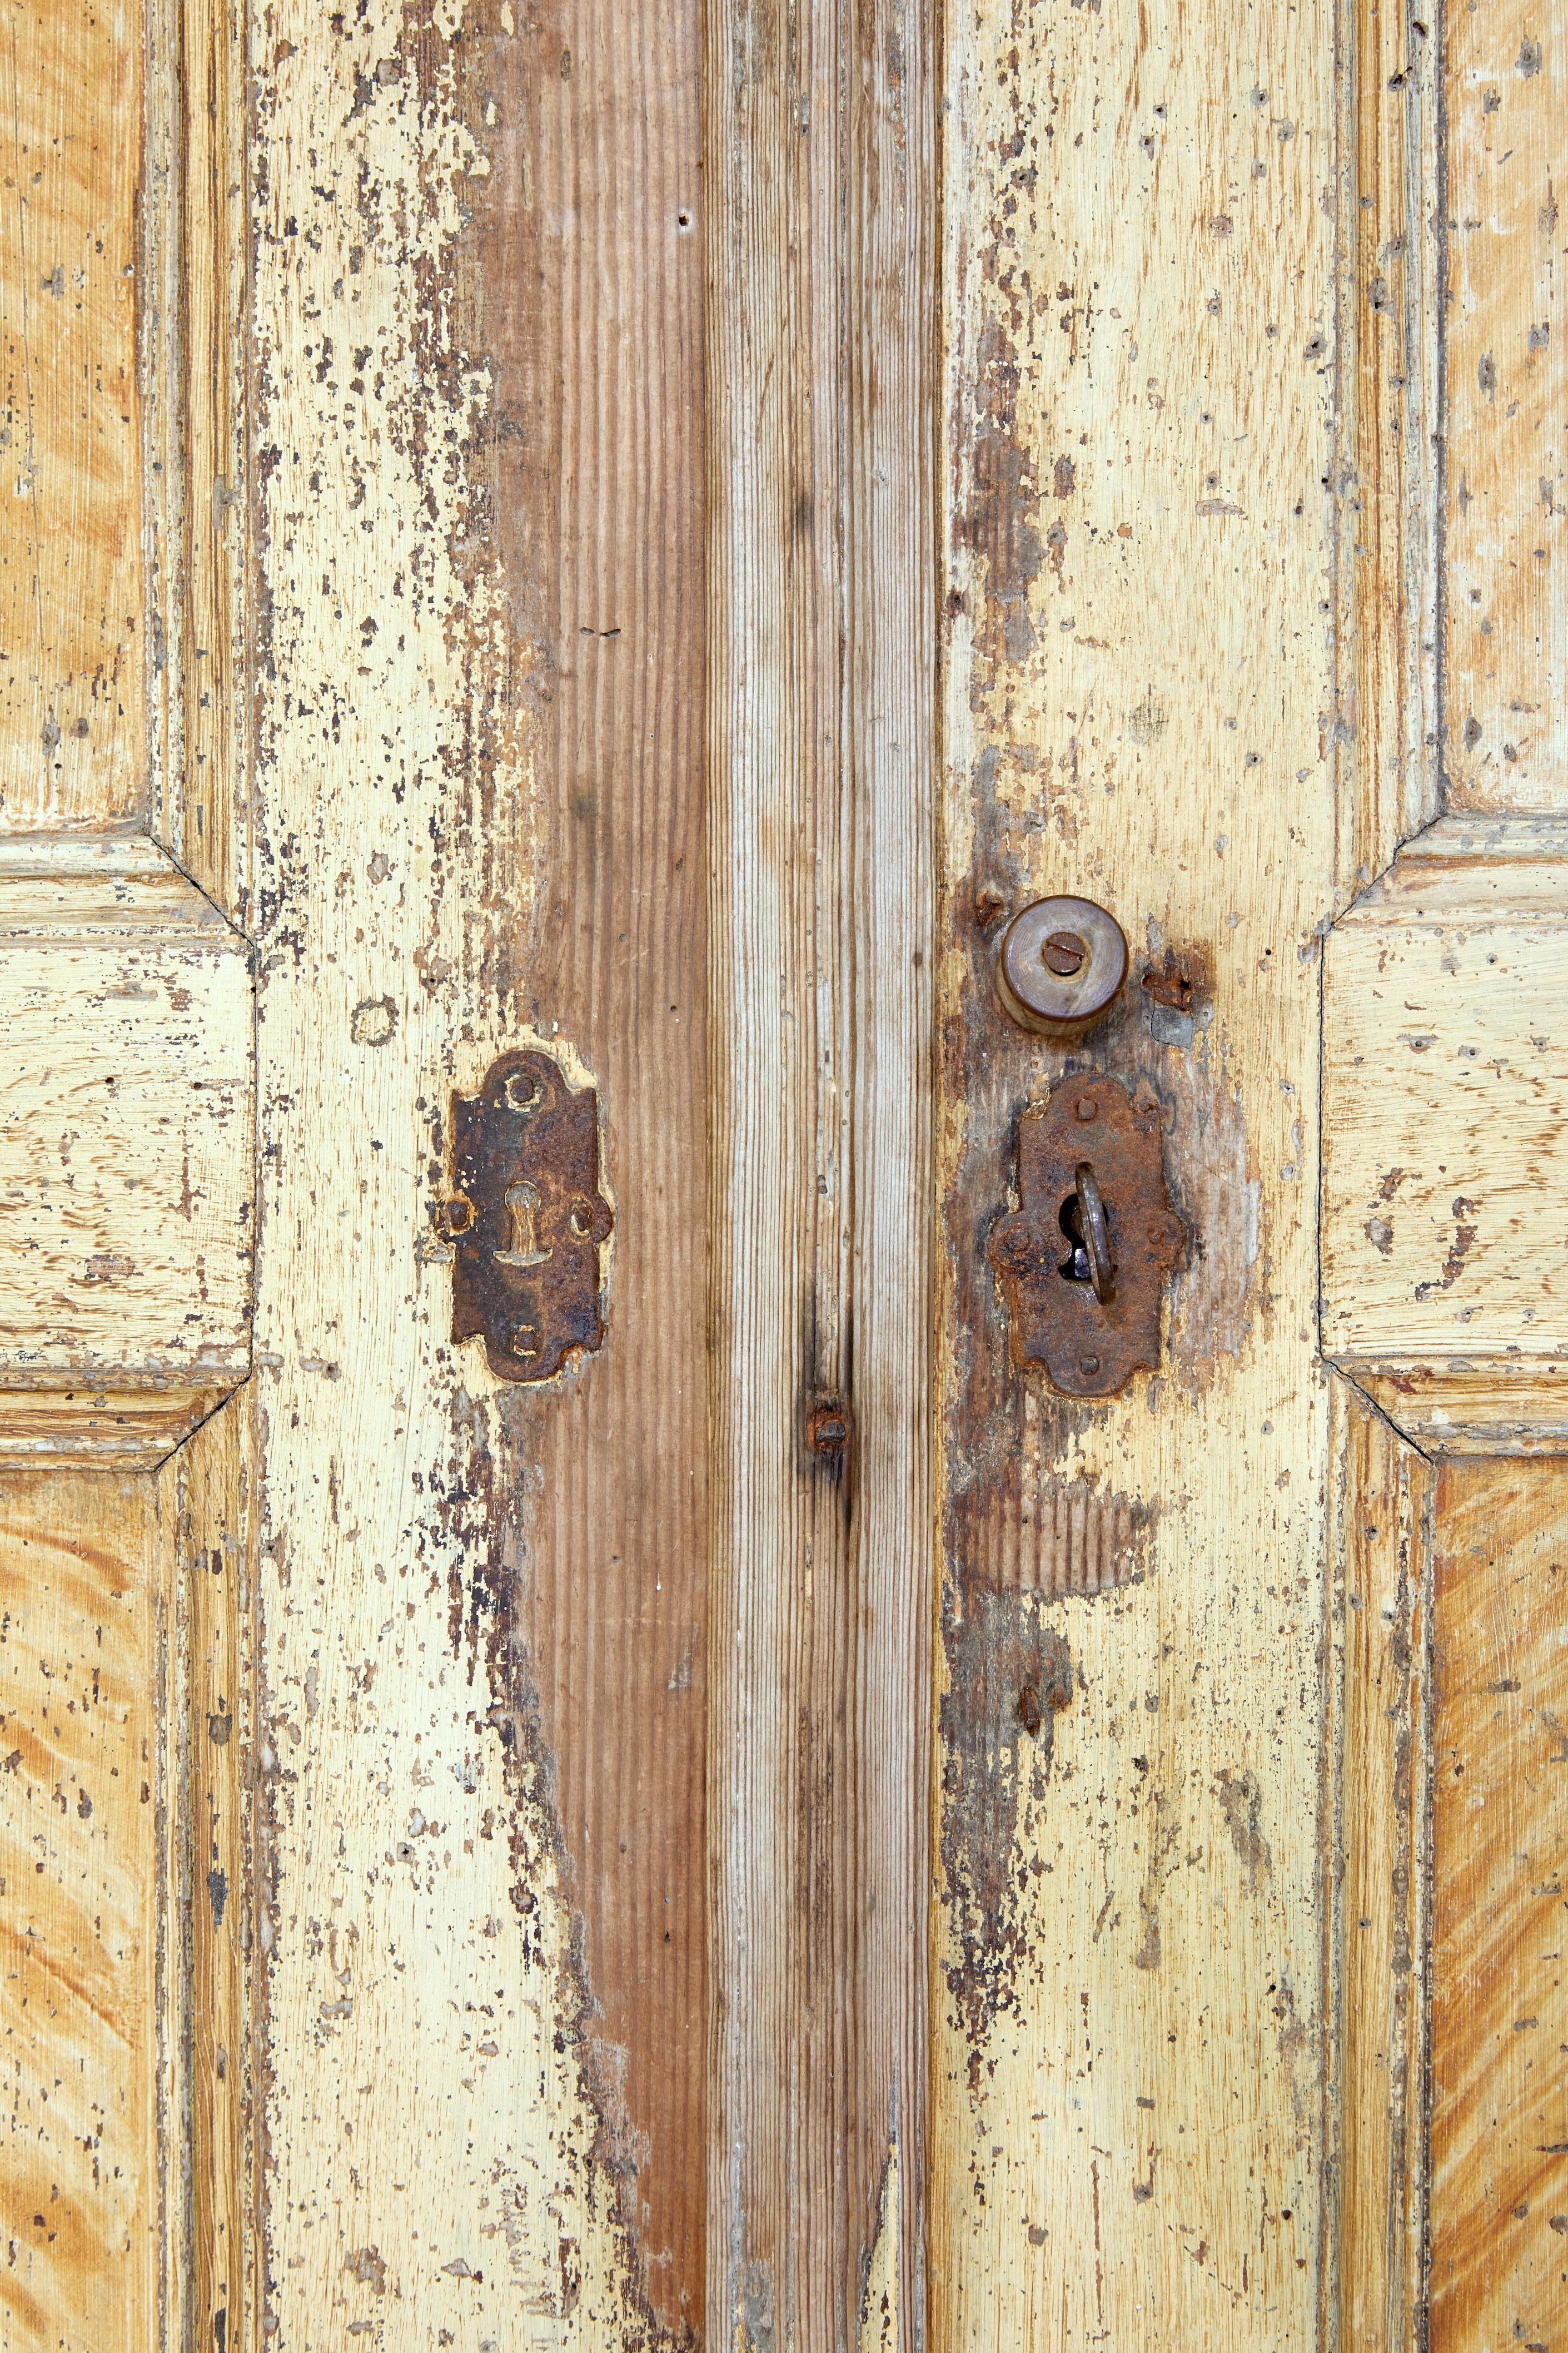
point(1087, 1346)
point(528, 1220)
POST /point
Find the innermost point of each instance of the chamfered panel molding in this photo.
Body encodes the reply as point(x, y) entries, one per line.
point(127, 1173)
point(1445, 1216)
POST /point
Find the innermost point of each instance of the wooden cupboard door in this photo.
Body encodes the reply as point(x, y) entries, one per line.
point(1247, 2017)
point(593, 1759)
point(127, 1200)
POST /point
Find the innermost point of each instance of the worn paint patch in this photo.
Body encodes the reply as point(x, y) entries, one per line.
point(1008, 1669)
point(492, 1611)
point(1241, 1802)
point(880, 2294)
point(1072, 1540)
point(1213, 1180)
point(1002, 520)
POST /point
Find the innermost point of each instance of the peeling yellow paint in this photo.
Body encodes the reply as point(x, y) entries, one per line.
point(430, 2165)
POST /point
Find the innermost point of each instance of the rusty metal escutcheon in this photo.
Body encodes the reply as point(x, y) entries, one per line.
point(1085, 1304)
point(527, 1218)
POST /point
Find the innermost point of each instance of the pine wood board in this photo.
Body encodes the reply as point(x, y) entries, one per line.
point(821, 203)
point(73, 638)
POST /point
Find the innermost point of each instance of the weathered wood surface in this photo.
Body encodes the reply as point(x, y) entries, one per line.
point(378, 431)
point(1386, 718)
point(1445, 1163)
point(127, 1180)
point(821, 195)
point(204, 1588)
point(1134, 2020)
point(127, 1151)
point(74, 652)
point(1500, 2012)
point(483, 1639)
point(1377, 1893)
point(90, 2147)
point(194, 323)
point(1505, 605)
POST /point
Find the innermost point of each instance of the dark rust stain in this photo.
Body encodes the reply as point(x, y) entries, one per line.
point(1089, 1345)
point(527, 1220)
point(1179, 980)
point(1011, 1675)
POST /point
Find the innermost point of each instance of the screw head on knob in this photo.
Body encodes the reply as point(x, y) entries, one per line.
point(1060, 965)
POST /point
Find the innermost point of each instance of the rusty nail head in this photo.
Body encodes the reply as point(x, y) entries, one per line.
point(1029, 1715)
point(988, 905)
point(1090, 1365)
point(1087, 1109)
point(827, 1430)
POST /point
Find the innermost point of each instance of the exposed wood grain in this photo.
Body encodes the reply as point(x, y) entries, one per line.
point(1377, 1896)
point(74, 656)
point(1500, 2012)
point(820, 714)
point(1444, 1147)
point(1505, 698)
point(126, 1152)
point(1133, 2027)
point(588, 299)
point(478, 1736)
point(1386, 468)
point(89, 2143)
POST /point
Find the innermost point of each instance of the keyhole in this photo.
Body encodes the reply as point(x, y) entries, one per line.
point(523, 1208)
point(1074, 1267)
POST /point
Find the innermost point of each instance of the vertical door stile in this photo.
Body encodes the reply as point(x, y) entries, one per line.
point(1138, 418)
point(475, 386)
point(821, 719)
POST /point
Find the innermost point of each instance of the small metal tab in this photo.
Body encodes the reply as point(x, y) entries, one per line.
point(1083, 1259)
point(1060, 965)
point(528, 1218)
